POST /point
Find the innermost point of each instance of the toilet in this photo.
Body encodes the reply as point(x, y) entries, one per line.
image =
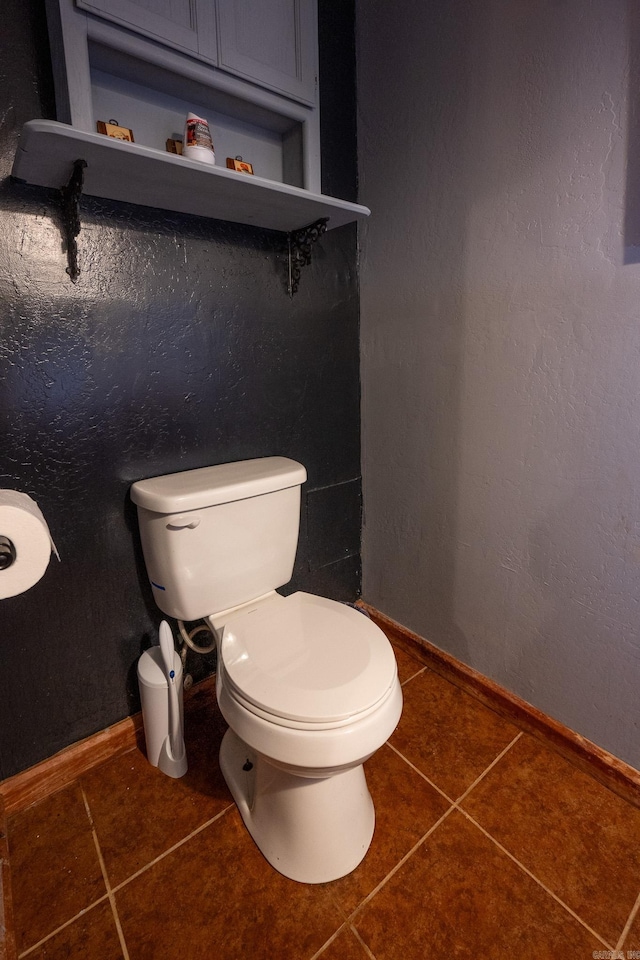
point(308, 686)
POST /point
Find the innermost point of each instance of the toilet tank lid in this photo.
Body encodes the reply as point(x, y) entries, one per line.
point(211, 486)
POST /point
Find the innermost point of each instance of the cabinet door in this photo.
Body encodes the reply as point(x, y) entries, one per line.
point(173, 22)
point(273, 43)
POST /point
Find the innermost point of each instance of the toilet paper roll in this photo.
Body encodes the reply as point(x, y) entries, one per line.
point(25, 537)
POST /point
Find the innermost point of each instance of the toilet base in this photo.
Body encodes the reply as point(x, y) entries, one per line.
point(311, 831)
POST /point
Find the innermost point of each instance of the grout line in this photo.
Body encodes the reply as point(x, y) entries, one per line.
point(112, 902)
point(634, 912)
point(327, 943)
point(490, 767)
point(166, 853)
point(401, 863)
point(105, 875)
point(420, 773)
point(365, 947)
point(109, 895)
point(533, 877)
point(455, 805)
point(603, 767)
point(475, 782)
point(413, 676)
point(62, 926)
point(344, 926)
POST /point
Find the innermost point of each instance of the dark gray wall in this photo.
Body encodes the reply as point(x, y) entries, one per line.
point(501, 342)
point(177, 348)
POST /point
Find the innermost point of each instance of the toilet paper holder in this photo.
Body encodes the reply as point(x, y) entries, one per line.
point(7, 553)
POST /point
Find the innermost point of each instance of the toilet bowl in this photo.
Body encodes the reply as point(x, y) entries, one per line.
point(310, 691)
point(308, 686)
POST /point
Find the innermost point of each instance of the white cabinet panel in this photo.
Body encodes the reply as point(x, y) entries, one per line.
point(272, 43)
point(184, 24)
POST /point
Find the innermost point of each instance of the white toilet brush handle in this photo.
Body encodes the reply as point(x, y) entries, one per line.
point(167, 649)
point(176, 741)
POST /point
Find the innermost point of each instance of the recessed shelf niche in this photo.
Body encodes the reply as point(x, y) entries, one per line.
point(154, 103)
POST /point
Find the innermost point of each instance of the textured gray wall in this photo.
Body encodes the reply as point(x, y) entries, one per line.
point(500, 325)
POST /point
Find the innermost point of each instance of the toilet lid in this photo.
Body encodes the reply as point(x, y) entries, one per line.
point(308, 659)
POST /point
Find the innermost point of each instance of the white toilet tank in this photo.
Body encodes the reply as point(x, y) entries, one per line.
point(219, 536)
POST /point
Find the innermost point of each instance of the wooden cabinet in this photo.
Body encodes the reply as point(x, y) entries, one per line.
point(272, 43)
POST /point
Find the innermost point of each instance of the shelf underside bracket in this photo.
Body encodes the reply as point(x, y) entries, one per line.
point(71, 216)
point(299, 243)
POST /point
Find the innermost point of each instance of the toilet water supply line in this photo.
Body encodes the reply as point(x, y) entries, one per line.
point(188, 644)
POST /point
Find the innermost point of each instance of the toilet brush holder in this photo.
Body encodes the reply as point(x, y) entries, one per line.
point(156, 712)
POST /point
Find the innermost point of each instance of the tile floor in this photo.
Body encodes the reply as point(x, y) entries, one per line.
point(487, 845)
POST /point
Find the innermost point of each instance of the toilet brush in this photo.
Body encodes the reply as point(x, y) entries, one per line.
point(173, 757)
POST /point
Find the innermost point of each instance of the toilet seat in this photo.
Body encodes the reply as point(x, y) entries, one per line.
point(307, 662)
point(325, 725)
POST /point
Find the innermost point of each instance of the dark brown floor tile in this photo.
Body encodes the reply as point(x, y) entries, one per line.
point(93, 936)
point(632, 940)
point(139, 812)
point(216, 896)
point(459, 896)
point(406, 807)
point(55, 871)
point(569, 830)
point(346, 946)
point(408, 666)
point(447, 734)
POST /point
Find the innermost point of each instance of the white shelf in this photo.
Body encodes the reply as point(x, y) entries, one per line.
point(135, 174)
